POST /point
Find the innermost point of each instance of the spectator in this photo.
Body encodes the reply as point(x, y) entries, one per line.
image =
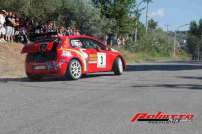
point(110, 39)
point(2, 28)
point(51, 27)
point(14, 28)
point(36, 28)
point(61, 31)
point(17, 28)
point(22, 36)
point(10, 22)
point(77, 32)
point(119, 41)
point(68, 31)
point(72, 31)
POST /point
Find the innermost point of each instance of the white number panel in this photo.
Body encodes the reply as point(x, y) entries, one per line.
point(101, 60)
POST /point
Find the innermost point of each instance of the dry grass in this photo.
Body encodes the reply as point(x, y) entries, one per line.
point(11, 60)
point(142, 57)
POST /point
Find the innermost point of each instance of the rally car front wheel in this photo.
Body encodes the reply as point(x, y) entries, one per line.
point(74, 71)
point(118, 66)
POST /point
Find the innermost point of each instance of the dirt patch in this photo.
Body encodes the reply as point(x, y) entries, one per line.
point(11, 60)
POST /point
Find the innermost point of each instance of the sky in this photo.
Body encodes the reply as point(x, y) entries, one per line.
point(174, 13)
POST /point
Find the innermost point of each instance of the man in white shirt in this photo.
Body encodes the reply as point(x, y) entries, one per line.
point(2, 28)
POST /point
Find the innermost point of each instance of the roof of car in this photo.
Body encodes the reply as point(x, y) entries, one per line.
point(63, 36)
point(81, 36)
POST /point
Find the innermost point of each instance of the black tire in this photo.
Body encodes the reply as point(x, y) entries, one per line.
point(74, 70)
point(34, 77)
point(118, 66)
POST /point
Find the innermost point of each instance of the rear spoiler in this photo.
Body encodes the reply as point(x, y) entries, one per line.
point(41, 36)
point(37, 47)
point(32, 48)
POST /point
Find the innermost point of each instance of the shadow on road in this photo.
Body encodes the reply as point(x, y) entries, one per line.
point(181, 86)
point(163, 67)
point(24, 79)
point(98, 75)
point(5, 80)
point(191, 77)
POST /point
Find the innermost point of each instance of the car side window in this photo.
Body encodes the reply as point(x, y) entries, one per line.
point(76, 43)
point(88, 43)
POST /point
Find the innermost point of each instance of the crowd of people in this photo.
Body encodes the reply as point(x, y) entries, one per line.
point(18, 29)
point(11, 27)
point(14, 28)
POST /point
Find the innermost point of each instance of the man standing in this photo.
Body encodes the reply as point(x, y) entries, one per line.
point(10, 23)
point(2, 28)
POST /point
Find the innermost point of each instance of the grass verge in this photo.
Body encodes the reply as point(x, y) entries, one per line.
point(140, 57)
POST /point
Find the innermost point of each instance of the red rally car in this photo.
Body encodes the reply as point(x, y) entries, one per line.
point(70, 57)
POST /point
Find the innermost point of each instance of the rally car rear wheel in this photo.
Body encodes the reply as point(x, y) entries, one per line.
point(118, 66)
point(74, 71)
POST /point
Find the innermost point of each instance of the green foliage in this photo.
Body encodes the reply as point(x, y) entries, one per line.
point(195, 38)
point(80, 13)
point(153, 43)
point(119, 12)
point(152, 24)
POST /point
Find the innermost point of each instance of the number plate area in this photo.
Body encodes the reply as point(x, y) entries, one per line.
point(39, 67)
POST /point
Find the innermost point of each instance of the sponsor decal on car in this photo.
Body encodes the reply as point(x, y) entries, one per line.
point(66, 54)
point(82, 55)
point(92, 58)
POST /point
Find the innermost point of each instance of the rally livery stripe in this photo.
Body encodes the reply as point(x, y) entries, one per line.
point(80, 54)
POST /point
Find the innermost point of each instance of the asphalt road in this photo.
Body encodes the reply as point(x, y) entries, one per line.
point(103, 103)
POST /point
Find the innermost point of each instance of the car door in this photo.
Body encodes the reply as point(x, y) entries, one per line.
point(89, 47)
point(98, 56)
point(100, 60)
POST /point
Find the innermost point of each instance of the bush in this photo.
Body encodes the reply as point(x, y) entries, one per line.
point(154, 43)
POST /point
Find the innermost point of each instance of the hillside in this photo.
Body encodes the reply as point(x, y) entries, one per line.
point(11, 60)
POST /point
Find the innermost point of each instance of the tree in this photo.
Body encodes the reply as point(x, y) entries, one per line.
point(136, 10)
point(195, 39)
point(200, 27)
point(152, 24)
point(147, 9)
point(118, 11)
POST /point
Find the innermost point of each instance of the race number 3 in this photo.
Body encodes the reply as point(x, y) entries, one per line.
point(101, 60)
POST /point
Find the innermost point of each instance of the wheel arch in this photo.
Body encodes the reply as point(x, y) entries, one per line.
point(122, 59)
point(81, 62)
